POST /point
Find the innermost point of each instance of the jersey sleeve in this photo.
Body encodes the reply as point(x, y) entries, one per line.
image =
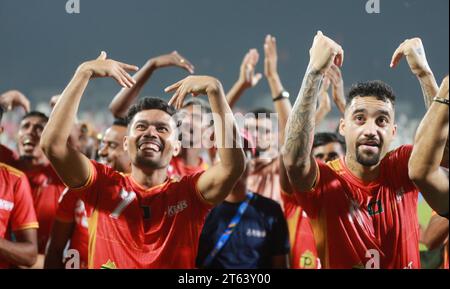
point(399, 159)
point(311, 201)
point(23, 215)
point(195, 195)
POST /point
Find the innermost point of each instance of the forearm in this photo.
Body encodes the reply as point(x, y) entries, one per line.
point(235, 93)
point(301, 123)
point(54, 258)
point(283, 106)
point(429, 87)
point(321, 113)
point(39, 264)
point(436, 232)
point(430, 141)
point(18, 253)
point(126, 96)
point(226, 132)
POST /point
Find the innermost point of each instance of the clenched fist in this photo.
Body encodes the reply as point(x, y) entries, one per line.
point(323, 53)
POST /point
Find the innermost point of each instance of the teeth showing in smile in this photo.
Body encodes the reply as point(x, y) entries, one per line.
point(149, 146)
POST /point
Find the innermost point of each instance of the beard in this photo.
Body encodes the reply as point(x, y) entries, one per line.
point(367, 160)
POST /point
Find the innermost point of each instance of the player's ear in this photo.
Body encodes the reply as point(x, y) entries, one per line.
point(125, 143)
point(342, 127)
point(176, 148)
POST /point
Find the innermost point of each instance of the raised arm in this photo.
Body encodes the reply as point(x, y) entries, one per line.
point(126, 96)
point(414, 52)
point(247, 77)
point(218, 181)
point(429, 144)
point(298, 161)
point(71, 165)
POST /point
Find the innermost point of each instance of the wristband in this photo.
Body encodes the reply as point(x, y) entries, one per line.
point(441, 100)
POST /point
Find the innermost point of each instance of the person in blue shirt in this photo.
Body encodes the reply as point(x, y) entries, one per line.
point(246, 231)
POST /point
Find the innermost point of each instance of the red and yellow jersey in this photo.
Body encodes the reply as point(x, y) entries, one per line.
point(303, 245)
point(178, 169)
point(16, 204)
point(72, 209)
point(46, 189)
point(365, 225)
point(134, 227)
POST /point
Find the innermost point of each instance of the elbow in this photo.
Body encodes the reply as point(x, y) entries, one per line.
point(417, 172)
point(30, 258)
point(51, 148)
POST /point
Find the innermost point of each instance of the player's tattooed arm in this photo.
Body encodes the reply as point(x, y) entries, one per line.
point(429, 144)
point(298, 161)
point(72, 166)
point(415, 55)
point(126, 96)
point(217, 181)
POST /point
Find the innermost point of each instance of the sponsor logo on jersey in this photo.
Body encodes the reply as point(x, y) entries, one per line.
point(6, 205)
point(180, 206)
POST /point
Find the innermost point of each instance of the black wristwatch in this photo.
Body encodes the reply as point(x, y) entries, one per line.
point(284, 94)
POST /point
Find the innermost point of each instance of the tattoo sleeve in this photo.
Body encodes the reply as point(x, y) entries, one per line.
point(429, 89)
point(301, 122)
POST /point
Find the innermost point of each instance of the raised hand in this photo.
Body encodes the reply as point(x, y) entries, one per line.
point(195, 85)
point(271, 57)
point(103, 67)
point(324, 52)
point(12, 99)
point(337, 87)
point(415, 55)
point(247, 76)
point(172, 59)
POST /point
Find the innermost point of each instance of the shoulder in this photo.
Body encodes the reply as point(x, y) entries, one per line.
point(11, 171)
point(401, 153)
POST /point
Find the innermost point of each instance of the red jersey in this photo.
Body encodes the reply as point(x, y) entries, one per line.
point(72, 209)
point(46, 189)
point(365, 225)
point(178, 169)
point(133, 227)
point(16, 204)
point(303, 245)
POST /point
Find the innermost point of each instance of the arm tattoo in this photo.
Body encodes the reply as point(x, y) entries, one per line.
point(301, 122)
point(428, 91)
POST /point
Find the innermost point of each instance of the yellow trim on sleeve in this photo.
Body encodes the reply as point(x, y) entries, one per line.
point(12, 170)
point(33, 225)
point(89, 181)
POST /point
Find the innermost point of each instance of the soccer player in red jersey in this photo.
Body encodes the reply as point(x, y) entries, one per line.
point(46, 187)
point(364, 206)
point(145, 220)
point(326, 147)
point(17, 216)
point(71, 221)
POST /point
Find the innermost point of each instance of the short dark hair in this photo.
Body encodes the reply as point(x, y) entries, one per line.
point(266, 112)
point(324, 138)
point(379, 89)
point(206, 108)
point(149, 103)
point(1, 113)
point(37, 114)
point(120, 122)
